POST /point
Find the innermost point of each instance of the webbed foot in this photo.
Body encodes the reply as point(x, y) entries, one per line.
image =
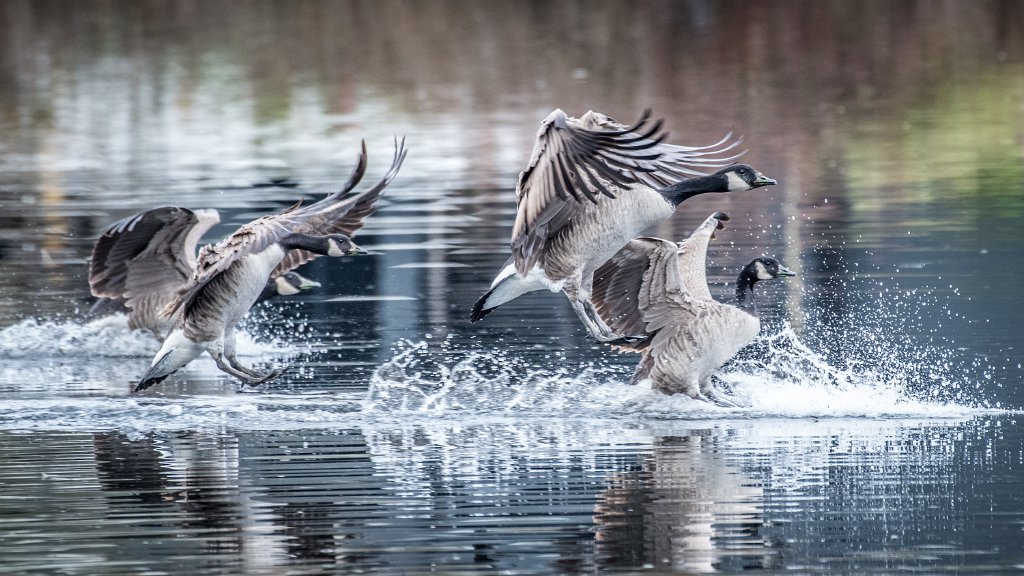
point(267, 377)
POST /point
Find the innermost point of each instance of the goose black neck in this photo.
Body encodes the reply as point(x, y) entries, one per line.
point(316, 244)
point(681, 191)
point(745, 291)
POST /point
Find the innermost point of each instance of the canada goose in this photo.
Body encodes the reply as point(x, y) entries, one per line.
point(287, 284)
point(658, 288)
point(138, 264)
point(229, 276)
point(591, 185)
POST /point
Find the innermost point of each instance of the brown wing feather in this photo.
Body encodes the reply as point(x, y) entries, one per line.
point(580, 160)
point(692, 255)
point(618, 285)
point(213, 260)
point(148, 256)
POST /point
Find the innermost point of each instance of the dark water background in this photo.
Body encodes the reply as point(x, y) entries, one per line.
point(884, 394)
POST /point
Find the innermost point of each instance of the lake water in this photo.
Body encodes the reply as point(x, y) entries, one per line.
point(881, 432)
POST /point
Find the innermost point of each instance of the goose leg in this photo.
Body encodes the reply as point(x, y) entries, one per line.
point(225, 356)
point(249, 377)
point(231, 355)
point(257, 378)
point(587, 314)
point(721, 398)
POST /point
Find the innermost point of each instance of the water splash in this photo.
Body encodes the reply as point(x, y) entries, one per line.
point(779, 376)
point(108, 337)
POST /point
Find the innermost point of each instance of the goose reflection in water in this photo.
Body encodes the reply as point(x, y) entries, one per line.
point(210, 501)
point(685, 507)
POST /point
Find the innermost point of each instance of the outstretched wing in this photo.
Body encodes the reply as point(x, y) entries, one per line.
point(619, 283)
point(692, 254)
point(150, 252)
point(580, 160)
point(342, 212)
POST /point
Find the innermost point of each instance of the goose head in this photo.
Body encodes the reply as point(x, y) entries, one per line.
point(763, 268)
point(743, 177)
point(341, 245)
point(292, 283)
point(766, 268)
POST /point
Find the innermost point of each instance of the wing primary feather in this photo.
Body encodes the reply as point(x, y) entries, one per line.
point(596, 182)
point(644, 117)
point(357, 173)
point(567, 175)
point(624, 140)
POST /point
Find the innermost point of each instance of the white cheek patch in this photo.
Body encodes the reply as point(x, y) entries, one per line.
point(333, 249)
point(284, 288)
point(735, 182)
point(762, 272)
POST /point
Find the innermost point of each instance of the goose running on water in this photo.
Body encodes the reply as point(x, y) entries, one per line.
point(659, 288)
point(230, 275)
point(139, 263)
point(590, 186)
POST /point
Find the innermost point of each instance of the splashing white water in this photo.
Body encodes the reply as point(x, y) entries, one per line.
point(107, 337)
point(786, 379)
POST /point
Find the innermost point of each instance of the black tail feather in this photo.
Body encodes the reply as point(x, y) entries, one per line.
point(478, 309)
point(147, 382)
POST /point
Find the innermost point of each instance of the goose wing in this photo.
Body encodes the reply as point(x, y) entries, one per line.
point(632, 281)
point(214, 260)
point(689, 333)
point(342, 212)
point(692, 255)
point(579, 160)
point(150, 252)
point(693, 335)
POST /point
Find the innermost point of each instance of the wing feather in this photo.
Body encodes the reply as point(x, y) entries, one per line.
point(152, 252)
point(342, 212)
point(692, 254)
point(214, 260)
point(576, 161)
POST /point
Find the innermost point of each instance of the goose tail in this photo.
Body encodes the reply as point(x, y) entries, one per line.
point(176, 351)
point(156, 374)
point(148, 381)
point(481, 309)
point(508, 286)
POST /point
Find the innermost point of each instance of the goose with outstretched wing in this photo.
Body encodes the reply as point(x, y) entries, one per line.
point(229, 275)
point(590, 186)
point(139, 263)
point(658, 288)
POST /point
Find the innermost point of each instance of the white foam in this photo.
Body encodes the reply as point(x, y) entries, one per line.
point(792, 381)
point(778, 378)
point(107, 337)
